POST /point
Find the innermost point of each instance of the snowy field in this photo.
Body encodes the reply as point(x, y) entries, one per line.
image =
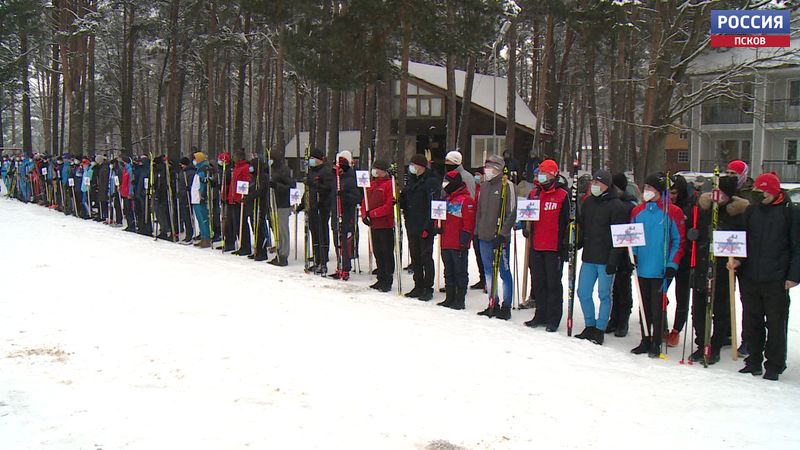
point(109, 340)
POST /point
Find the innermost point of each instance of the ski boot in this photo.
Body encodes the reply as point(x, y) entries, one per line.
point(490, 311)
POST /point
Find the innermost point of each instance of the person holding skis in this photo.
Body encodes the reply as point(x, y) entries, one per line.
point(86, 188)
point(257, 203)
point(348, 196)
point(599, 260)
point(744, 184)
point(127, 192)
point(183, 183)
point(281, 182)
point(415, 201)
point(481, 283)
point(548, 246)
point(239, 228)
point(198, 195)
point(679, 196)
point(621, 292)
point(457, 232)
point(772, 267)
point(377, 212)
point(496, 211)
point(657, 261)
point(320, 186)
point(452, 161)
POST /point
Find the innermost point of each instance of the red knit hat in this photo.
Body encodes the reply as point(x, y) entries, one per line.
point(737, 166)
point(769, 183)
point(225, 157)
point(549, 166)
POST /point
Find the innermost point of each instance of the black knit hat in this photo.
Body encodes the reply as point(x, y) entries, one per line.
point(620, 181)
point(318, 154)
point(185, 161)
point(728, 184)
point(603, 177)
point(420, 160)
point(381, 164)
point(657, 181)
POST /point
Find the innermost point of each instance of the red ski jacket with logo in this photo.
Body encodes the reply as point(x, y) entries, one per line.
point(241, 172)
point(549, 232)
point(379, 204)
point(460, 217)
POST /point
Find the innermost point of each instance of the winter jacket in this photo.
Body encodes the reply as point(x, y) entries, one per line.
point(652, 255)
point(103, 181)
point(198, 187)
point(183, 183)
point(468, 179)
point(550, 231)
point(379, 204)
point(489, 210)
point(321, 184)
point(65, 173)
point(773, 242)
point(282, 183)
point(597, 216)
point(126, 182)
point(730, 217)
point(461, 211)
point(241, 172)
point(86, 180)
point(415, 201)
point(351, 195)
point(141, 175)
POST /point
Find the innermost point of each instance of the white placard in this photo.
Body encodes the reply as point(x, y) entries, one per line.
point(295, 196)
point(146, 180)
point(528, 210)
point(70, 182)
point(116, 180)
point(44, 171)
point(242, 187)
point(628, 235)
point(87, 181)
point(730, 243)
point(438, 210)
point(362, 178)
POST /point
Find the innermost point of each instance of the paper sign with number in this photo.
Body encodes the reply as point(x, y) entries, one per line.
point(527, 210)
point(71, 182)
point(242, 187)
point(730, 243)
point(87, 181)
point(44, 171)
point(145, 181)
point(295, 196)
point(116, 180)
point(362, 178)
point(439, 210)
point(628, 235)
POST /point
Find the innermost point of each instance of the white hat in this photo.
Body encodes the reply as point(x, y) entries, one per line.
point(346, 155)
point(454, 157)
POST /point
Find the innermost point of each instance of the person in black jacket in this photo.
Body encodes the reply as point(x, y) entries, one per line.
point(281, 182)
point(350, 195)
point(183, 183)
point(415, 201)
point(257, 203)
point(321, 187)
point(599, 259)
point(679, 196)
point(771, 268)
point(622, 295)
point(100, 187)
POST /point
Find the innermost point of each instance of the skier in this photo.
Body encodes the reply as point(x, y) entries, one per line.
point(493, 230)
point(281, 182)
point(548, 246)
point(183, 183)
point(219, 177)
point(456, 232)
point(127, 192)
point(656, 264)
point(622, 295)
point(86, 186)
point(599, 260)
point(238, 221)
point(481, 284)
point(415, 201)
point(771, 268)
point(744, 184)
point(380, 218)
point(100, 178)
point(198, 192)
point(258, 202)
point(347, 196)
point(160, 197)
point(679, 196)
point(144, 205)
point(320, 184)
point(452, 161)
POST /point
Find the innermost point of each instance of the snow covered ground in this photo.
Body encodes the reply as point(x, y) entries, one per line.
point(111, 340)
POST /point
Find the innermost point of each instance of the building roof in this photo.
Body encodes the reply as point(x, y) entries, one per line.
point(720, 59)
point(482, 91)
point(348, 140)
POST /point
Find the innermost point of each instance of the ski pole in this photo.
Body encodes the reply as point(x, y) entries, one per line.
point(664, 284)
point(642, 315)
point(731, 293)
point(693, 266)
point(516, 271)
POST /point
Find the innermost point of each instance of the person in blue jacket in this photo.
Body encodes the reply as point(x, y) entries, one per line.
point(4, 171)
point(86, 185)
point(657, 261)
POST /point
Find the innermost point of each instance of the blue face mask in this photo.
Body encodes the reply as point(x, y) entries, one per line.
point(412, 169)
point(313, 162)
point(542, 178)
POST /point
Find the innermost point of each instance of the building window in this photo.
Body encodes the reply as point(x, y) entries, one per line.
point(791, 151)
point(421, 102)
point(729, 149)
point(683, 156)
point(794, 93)
point(483, 144)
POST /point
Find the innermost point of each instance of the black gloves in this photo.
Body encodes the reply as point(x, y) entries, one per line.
point(464, 239)
point(498, 241)
point(611, 269)
point(366, 220)
point(670, 273)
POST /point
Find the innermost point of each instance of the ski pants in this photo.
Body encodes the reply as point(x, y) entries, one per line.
point(765, 314)
point(651, 298)
point(477, 249)
point(262, 233)
point(487, 254)
point(130, 213)
point(589, 274)
point(201, 213)
point(622, 298)
point(682, 289)
point(421, 250)
point(233, 216)
point(455, 268)
point(283, 234)
point(345, 247)
point(187, 224)
point(320, 234)
point(721, 312)
point(383, 249)
point(548, 291)
point(87, 208)
point(162, 216)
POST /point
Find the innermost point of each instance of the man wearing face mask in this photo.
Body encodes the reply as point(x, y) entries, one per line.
point(481, 284)
point(744, 184)
point(453, 162)
point(456, 237)
point(241, 172)
point(321, 186)
point(771, 268)
point(486, 229)
point(415, 201)
point(183, 183)
point(548, 246)
point(349, 196)
point(380, 218)
point(654, 270)
point(599, 260)
point(282, 183)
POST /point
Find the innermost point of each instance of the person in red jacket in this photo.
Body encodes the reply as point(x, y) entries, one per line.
point(377, 212)
point(241, 172)
point(457, 232)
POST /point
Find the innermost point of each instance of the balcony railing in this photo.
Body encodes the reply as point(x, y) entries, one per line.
point(718, 113)
point(783, 110)
point(788, 170)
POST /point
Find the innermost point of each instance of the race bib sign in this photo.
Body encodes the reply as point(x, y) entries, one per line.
point(71, 182)
point(528, 210)
point(295, 196)
point(730, 243)
point(362, 178)
point(242, 187)
point(116, 181)
point(86, 181)
point(628, 235)
point(44, 171)
point(438, 210)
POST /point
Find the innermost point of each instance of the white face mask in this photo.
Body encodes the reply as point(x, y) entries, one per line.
point(542, 178)
point(490, 173)
point(412, 169)
point(596, 191)
point(649, 195)
point(477, 179)
point(374, 173)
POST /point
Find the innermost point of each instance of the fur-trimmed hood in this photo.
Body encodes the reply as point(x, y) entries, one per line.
point(735, 207)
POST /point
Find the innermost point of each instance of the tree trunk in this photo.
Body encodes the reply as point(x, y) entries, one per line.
point(466, 106)
point(91, 119)
point(280, 134)
point(238, 127)
point(322, 120)
point(27, 145)
point(334, 125)
point(262, 93)
point(2, 130)
point(402, 121)
point(511, 100)
point(451, 102)
point(543, 77)
point(129, 38)
point(383, 149)
point(594, 132)
point(55, 81)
